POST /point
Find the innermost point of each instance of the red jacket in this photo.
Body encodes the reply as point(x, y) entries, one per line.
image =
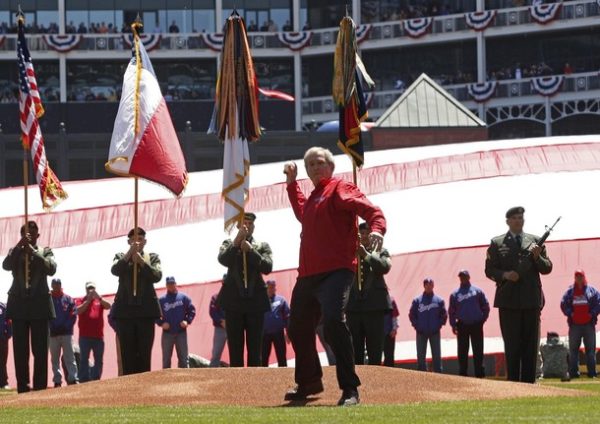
point(329, 236)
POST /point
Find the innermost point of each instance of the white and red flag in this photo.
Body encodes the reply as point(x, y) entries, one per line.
point(144, 142)
point(30, 108)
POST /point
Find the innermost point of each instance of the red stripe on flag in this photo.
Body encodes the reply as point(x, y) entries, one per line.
point(158, 157)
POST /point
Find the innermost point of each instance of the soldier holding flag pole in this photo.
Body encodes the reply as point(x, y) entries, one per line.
point(29, 304)
point(243, 295)
point(144, 144)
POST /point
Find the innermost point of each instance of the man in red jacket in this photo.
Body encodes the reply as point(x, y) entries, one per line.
point(326, 271)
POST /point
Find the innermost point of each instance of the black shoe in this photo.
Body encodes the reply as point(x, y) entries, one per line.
point(349, 398)
point(301, 392)
point(57, 385)
point(24, 389)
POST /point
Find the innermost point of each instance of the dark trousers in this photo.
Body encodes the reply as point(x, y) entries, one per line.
point(367, 328)
point(520, 332)
point(474, 334)
point(278, 342)
point(38, 330)
point(587, 333)
point(136, 337)
point(389, 347)
point(327, 295)
point(248, 325)
point(3, 360)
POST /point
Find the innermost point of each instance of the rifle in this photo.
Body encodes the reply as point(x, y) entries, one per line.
point(525, 257)
point(547, 233)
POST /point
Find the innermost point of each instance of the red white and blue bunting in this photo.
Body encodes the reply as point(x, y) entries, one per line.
point(479, 21)
point(213, 40)
point(481, 92)
point(544, 13)
point(547, 86)
point(62, 43)
point(416, 28)
point(362, 32)
point(295, 40)
point(150, 41)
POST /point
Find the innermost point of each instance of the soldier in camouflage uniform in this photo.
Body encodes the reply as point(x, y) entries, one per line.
point(514, 261)
point(555, 358)
point(245, 307)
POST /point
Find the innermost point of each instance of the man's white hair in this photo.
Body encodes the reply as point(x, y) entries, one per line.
point(316, 150)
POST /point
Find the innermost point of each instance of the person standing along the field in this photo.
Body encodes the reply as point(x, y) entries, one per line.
point(515, 261)
point(326, 271)
point(30, 307)
point(136, 307)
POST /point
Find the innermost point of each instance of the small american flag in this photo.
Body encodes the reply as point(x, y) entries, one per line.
point(30, 106)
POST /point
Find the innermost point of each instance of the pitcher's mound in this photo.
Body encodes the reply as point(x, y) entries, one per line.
point(267, 386)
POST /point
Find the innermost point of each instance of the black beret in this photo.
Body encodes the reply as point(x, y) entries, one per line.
point(250, 216)
point(516, 210)
point(141, 232)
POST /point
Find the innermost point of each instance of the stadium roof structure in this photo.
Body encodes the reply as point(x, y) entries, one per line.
point(442, 203)
point(425, 104)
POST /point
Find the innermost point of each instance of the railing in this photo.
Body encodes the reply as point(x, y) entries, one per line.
point(506, 89)
point(578, 9)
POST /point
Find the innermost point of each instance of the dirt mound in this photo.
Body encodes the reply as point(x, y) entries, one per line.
point(266, 387)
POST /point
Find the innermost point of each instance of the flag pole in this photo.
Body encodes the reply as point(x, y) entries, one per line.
point(26, 207)
point(21, 16)
point(244, 259)
point(135, 234)
point(137, 24)
point(358, 263)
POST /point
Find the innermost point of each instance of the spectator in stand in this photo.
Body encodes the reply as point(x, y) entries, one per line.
point(390, 328)
point(469, 309)
point(252, 27)
point(581, 306)
point(275, 326)
point(518, 71)
point(220, 334)
point(287, 26)
point(307, 26)
point(173, 28)
point(61, 335)
point(428, 315)
point(264, 27)
point(178, 312)
point(567, 70)
point(5, 335)
point(90, 310)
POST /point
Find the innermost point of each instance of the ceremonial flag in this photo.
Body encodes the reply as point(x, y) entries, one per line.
point(30, 108)
point(235, 117)
point(144, 142)
point(349, 75)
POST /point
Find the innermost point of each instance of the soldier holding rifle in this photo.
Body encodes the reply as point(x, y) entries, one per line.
point(515, 261)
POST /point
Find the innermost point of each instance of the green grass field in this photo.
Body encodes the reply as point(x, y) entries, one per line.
point(585, 409)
